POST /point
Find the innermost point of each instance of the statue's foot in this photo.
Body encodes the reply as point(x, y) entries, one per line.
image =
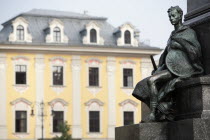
point(152, 117)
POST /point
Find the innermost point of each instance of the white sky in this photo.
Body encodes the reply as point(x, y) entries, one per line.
point(149, 16)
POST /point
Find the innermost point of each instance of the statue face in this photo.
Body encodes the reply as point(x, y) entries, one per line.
point(174, 17)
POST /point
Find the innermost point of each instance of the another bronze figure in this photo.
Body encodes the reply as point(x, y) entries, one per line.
point(180, 60)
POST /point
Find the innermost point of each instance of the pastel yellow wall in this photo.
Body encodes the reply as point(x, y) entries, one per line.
point(49, 94)
point(12, 94)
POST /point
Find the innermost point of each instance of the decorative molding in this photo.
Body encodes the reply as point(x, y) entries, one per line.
point(127, 63)
point(128, 27)
point(27, 36)
point(128, 101)
point(21, 104)
point(97, 63)
point(58, 61)
point(86, 38)
point(21, 100)
point(54, 101)
point(88, 103)
point(128, 105)
point(83, 50)
point(56, 23)
point(57, 104)
point(146, 67)
point(94, 105)
point(21, 60)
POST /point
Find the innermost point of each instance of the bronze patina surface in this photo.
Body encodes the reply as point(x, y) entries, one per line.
point(180, 60)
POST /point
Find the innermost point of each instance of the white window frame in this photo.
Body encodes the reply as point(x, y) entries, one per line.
point(86, 38)
point(95, 63)
point(58, 61)
point(128, 105)
point(121, 39)
point(15, 23)
point(57, 104)
point(56, 23)
point(127, 64)
point(21, 104)
point(21, 60)
point(94, 105)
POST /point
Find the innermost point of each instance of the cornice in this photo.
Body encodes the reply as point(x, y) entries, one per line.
point(85, 50)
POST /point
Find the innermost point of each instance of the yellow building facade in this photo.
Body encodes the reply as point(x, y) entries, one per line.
point(60, 66)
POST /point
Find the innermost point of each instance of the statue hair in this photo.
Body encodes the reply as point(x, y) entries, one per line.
point(179, 10)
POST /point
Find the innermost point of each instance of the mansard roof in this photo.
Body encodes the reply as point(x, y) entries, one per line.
point(74, 23)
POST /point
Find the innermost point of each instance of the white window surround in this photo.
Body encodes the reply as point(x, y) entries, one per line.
point(94, 105)
point(15, 23)
point(21, 104)
point(21, 60)
point(121, 39)
point(128, 105)
point(127, 63)
point(57, 104)
point(58, 61)
point(96, 63)
point(56, 23)
point(88, 27)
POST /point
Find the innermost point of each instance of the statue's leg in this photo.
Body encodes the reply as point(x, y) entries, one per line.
point(152, 81)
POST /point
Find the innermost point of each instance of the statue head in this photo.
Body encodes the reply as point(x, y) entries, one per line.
point(175, 15)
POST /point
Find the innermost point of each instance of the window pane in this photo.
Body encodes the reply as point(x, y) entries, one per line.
point(93, 76)
point(20, 74)
point(94, 121)
point(127, 37)
point(20, 121)
point(93, 36)
point(57, 34)
point(20, 33)
point(57, 75)
point(128, 118)
point(128, 77)
point(58, 120)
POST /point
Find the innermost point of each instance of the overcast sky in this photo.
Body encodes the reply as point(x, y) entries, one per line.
point(149, 16)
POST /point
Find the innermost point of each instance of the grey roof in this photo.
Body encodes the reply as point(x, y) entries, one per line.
point(39, 20)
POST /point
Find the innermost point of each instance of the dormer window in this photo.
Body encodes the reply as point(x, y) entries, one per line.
point(93, 36)
point(57, 34)
point(20, 33)
point(127, 36)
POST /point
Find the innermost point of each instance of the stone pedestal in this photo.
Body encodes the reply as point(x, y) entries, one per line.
point(192, 121)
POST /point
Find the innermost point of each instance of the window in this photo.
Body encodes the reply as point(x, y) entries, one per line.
point(128, 77)
point(57, 120)
point(127, 36)
point(93, 36)
point(128, 118)
point(20, 121)
point(20, 32)
point(57, 75)
point(20, 74)
point(94, 122)
point(57, 34)
point(93, 76)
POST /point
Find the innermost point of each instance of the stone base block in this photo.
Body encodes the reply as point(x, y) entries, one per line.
point(189, 129)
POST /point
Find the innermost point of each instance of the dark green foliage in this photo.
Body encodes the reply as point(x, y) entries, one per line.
point(64, 129)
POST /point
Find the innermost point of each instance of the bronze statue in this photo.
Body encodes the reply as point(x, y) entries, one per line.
point(180, 60)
